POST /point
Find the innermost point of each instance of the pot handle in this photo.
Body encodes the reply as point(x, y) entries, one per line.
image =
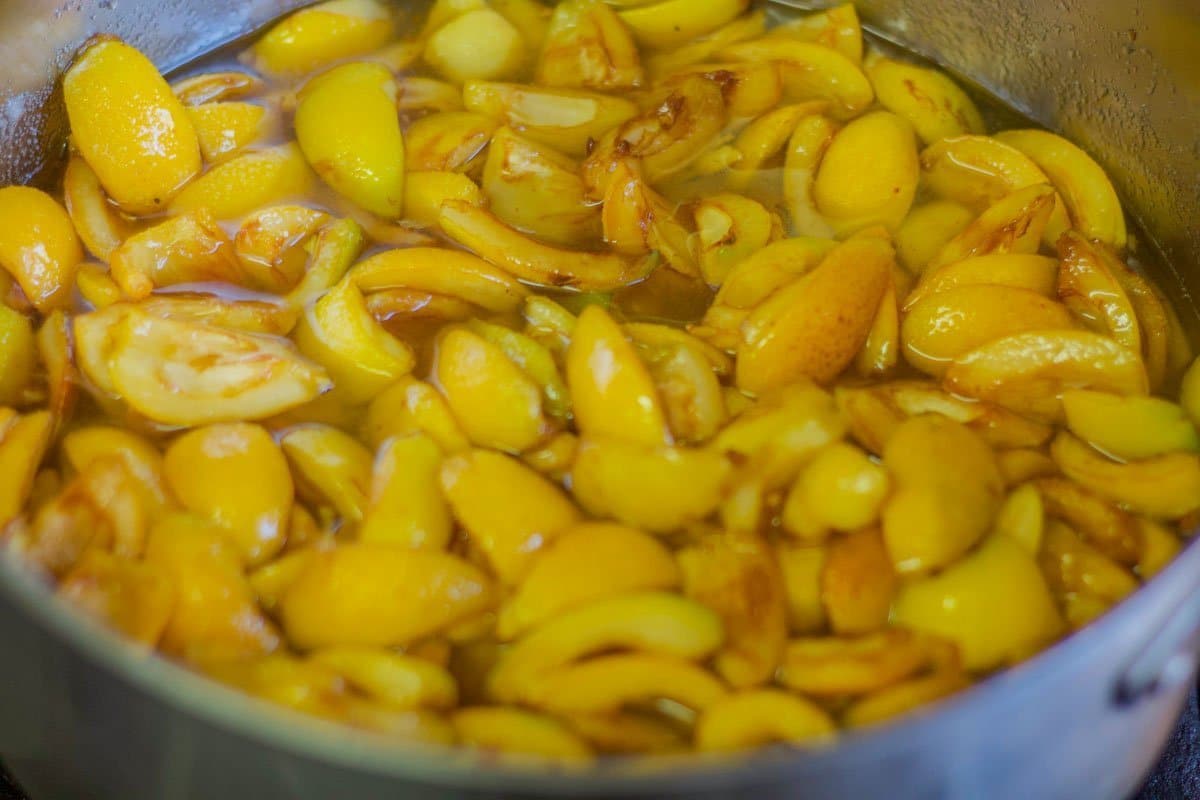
point(1167, 659)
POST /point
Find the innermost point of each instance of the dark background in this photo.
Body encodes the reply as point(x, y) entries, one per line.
point(1177, 776)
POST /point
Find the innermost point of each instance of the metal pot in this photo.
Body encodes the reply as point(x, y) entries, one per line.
point(83, 715)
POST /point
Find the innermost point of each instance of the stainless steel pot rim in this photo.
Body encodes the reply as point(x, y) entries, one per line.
point(326, 742)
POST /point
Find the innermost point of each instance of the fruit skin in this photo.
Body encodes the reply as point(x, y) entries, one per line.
point(807, 145)
point(38, 246)
point(978, 171)
point(662, 63)
point(397, 681)
point(405, 505)
point(130, 128)
point(521, 733)
point(948, 324)
point(688, 114)
point(497, 404)
point(247, 182)
point(1013, 224)
point(948, 489)
point(855, 193)
point(1083, 185)
point(838, 666)
point(339, 333)
point(660, 623)
point(129, 596)
point(607, 683)
point(186, 248)
point(22, 447)
point(321, 35)
point(811, 71)
point(1090, 281)
point(659, 489)
point(736, 575)
point(347, 126)
point(1027, 372)
point(335, 599)
point(510, 511)
point(215, 613)
point(1129, 427)
point(589, 561)
point(994, 604)
point(225, 128)
point(424, 193)
point(447, 141)
point(842, 487)
point(1035, 273)
point(671, 23)
point(1162, 487)
point(927, 229)
point(443, 272)
point(18, 355)
point(927, 98)
point(536, 263)
point(749, 719)
point(612, 389)
point(236, 475)
point(815, 326)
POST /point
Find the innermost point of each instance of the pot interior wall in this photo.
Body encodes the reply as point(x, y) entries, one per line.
point(1120, 79)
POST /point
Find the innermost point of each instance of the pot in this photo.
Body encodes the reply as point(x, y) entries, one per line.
point(85, 715)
